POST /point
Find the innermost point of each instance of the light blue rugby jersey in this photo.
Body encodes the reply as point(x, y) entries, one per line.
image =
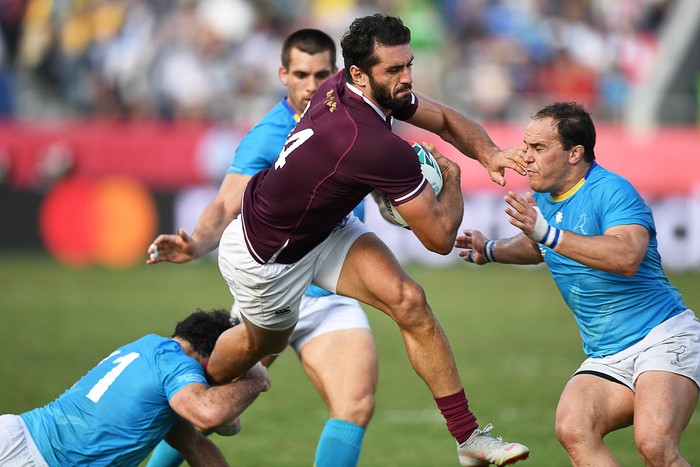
point(259, 150)
point(613, 312)
point(118, 412)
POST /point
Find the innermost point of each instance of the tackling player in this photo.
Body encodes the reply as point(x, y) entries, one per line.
point(149, 390)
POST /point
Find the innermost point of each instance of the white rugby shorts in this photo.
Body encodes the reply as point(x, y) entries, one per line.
point(269, 295)
point(672, 346)
point(320, 315)
point(17, 448)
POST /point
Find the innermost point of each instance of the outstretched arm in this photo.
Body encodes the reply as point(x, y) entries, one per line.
point(619, 250)
point(468, 137)
point(211, 224)
point(514, 250)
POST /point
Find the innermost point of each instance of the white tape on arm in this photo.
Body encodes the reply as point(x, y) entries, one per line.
point(154, 251)
point(544, 233)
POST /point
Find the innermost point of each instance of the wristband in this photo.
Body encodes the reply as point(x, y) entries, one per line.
point(551, 239)
point(488, 251)
point(544, 233)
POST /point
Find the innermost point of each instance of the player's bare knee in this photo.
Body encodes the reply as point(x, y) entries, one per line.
point(656, 450)
point(569, 431)
point(358, 410)
point(410, 308)
point(364, 410)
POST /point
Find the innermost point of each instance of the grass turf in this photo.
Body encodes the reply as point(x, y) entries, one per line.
point(514, 340)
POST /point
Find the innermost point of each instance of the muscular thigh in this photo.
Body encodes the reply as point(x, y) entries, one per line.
point(342, 365)
point(596, 403)
point(667, 376)
point(336, 348)
point(665, 402)
point(372, 274)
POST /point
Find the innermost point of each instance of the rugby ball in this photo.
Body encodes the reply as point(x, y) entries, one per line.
point(431, 172)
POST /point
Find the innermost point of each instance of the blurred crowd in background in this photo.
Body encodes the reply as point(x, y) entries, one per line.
point(217, 59)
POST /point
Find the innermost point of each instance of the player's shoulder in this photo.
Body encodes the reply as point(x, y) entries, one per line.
point(328, 115)
point(279, 116)
point(260, 145)
point(170, 358)
point(156, 345)
point(154, 339)
point(327, 100)
point(604, 179)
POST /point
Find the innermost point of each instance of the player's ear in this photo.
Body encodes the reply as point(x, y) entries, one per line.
point(576, 154)
point(359, 77)
point(284, 75)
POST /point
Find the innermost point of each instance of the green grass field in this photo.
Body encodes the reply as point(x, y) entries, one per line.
point(514, 340)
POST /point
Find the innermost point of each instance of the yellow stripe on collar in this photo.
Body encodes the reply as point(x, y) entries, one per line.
point(570, 192)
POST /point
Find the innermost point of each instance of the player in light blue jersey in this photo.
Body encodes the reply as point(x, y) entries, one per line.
point(149, 390)
point(332, 338)
point(597, 236)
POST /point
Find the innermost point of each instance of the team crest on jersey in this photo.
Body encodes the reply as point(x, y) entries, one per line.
point(581, 224)
point(330, 101)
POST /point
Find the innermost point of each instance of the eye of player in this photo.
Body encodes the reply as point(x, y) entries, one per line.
point(323, 74)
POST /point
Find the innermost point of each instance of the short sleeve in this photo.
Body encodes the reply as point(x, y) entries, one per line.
point(178, 370)
point(623, 206)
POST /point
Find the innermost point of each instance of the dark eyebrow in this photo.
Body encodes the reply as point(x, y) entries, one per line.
point(536, 144)
point(401, 65)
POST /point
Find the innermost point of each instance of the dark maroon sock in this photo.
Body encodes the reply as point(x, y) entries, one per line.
point(461, 422)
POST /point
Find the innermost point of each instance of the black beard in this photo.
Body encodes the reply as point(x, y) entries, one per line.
point(382, 96)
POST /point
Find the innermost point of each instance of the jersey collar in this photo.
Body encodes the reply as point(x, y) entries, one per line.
point(364, 98)
point(569, 193)
point(285, 103)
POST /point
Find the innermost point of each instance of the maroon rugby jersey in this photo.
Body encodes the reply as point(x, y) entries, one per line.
point(340, 151)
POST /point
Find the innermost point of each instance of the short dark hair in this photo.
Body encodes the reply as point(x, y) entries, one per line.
point(574, 125)
point(360, 40)
point(203, 328)
point(310, 41)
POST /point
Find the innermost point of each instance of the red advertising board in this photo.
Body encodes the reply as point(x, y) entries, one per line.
point(167, 156)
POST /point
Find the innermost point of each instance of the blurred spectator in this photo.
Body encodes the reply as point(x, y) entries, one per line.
point(206, 59)
point(11, 14)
